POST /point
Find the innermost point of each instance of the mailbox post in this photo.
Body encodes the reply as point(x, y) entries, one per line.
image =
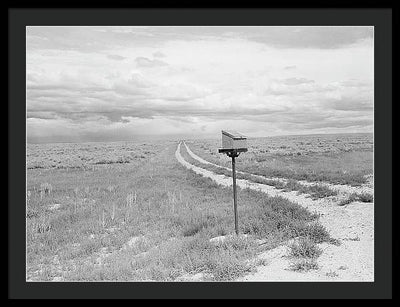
point(233, 143)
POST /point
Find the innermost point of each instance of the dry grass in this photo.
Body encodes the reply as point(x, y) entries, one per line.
point(87, 155)
point(103, 208)
point(362, 197)
point(338, 159)
point(304, 265)
point(304, 248)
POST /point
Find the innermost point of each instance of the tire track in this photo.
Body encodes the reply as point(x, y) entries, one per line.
point(226, 181)
point(340, 188)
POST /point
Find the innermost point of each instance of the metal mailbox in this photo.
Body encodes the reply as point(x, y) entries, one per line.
point(233, 140)
point(233, 143)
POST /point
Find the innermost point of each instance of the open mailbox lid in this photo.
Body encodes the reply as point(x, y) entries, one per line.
point(233, 140)
point(234, 135)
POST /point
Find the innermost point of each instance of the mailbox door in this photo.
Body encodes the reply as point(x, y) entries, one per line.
point(227, 142)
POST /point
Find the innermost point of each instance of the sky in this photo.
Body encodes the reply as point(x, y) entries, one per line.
point(125, 83)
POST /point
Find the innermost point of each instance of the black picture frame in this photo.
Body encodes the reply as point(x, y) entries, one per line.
point(380, 18)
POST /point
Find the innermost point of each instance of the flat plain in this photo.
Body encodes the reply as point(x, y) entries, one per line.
point(130, 211)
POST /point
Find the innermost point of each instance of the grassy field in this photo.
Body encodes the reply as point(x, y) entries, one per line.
point(87, 155)
point(127, 211)
point(336, 158)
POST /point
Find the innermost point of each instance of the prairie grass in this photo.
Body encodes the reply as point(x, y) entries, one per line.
point(362, 197)
point(338, 159)
point(304, 248)
point(304, 265)
point(87, 155)
point(317, 234)
point(366, 197)
point(304, 251)
point(316, 191)
point(175, 210)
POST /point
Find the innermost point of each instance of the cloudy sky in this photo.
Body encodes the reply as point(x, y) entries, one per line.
point(123, 83)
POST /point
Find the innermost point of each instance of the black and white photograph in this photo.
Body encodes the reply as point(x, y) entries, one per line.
point(200, 154)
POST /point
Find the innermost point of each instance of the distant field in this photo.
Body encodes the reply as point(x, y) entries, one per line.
point(84, 155)
point(341, 158)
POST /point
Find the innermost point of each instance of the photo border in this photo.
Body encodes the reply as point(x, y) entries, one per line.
point(381, 19)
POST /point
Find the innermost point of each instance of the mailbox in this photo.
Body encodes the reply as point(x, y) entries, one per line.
point(233, 140)
point(233, 143)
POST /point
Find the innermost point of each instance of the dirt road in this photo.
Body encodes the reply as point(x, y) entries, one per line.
point(352, 224)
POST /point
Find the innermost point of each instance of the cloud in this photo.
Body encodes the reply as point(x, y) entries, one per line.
point(158, 54)
point(310, 37)
point(145, 62)
point(116, 57)
point(41, 115)
point(115, 82)
point(296, 81)
point(350, 103)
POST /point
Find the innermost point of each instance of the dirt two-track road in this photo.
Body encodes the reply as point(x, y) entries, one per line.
point(352, 224)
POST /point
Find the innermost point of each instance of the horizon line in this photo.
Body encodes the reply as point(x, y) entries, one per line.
point(169, 138)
